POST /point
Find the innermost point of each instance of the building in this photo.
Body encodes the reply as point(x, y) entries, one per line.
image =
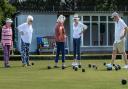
point(99, 36)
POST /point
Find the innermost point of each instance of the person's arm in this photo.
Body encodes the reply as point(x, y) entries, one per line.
point(2, 33)
point(12, 39)
point(125, 33)
point(61, 30)
point(20, 29)
point(64, 32)
point(84, 28)
point(124, 29)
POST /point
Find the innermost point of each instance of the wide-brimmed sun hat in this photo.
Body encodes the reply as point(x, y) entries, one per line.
point(76, 17)
point(9, 20)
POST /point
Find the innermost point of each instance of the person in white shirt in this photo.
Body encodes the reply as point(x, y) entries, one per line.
point(26, 31)
point(120, 34)
point(78, 29)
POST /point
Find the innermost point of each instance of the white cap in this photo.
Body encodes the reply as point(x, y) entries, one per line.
point(76, 16)
point(29, 18)
point(114, 14)
point(61, 18)
point(9, 20)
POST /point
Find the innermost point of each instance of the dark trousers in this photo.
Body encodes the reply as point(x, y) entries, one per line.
point(60, 48)
point(6, 54)
point(25, 52)
point(76, 48)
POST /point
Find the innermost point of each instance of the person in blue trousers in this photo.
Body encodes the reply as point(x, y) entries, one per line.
point(78, 29)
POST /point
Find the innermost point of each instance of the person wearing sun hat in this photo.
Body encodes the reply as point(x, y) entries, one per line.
point(60, 40)
point(26, 31)
point(120, 36)
point(6, 41)
point(78, 29)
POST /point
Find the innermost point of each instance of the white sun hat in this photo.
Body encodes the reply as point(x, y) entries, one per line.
point(76, 17)
point(9, 20)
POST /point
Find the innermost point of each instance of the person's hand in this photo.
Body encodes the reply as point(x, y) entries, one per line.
point(80, 33)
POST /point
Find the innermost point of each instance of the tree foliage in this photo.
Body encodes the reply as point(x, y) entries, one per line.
point(6, 11)
point(72, 5)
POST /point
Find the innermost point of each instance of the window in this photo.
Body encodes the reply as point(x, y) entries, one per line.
point(100, 31)
point(110, 33)
point(95, 34)
point(86, 18)
point(86, 35)
point(94, 18)
point(102, 18)
point(103, 34)
point(109, 18)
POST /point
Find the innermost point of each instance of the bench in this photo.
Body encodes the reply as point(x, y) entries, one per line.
point(48, 44)
point(45, 44)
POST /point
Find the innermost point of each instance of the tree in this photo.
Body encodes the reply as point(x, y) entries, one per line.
point(6, 11)
point(106, 5)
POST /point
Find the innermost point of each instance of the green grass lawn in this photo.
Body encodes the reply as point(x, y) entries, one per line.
point(39, 77)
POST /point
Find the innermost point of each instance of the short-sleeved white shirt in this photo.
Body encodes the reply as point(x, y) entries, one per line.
point(119, 30)
point(78, 29)
point(27, 30)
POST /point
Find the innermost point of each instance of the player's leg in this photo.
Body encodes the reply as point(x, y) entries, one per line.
point(63, 54)
point(125, 58)
point(57, 54)
point(27, 54)
point(23, 55)
point(121, 47)
point(114, 53)
point(78, 51)
point(74, 49)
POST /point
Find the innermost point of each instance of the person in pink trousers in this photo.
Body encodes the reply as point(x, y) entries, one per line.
point(6, 41)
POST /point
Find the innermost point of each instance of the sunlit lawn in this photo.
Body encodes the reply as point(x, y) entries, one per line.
point(39, 77)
